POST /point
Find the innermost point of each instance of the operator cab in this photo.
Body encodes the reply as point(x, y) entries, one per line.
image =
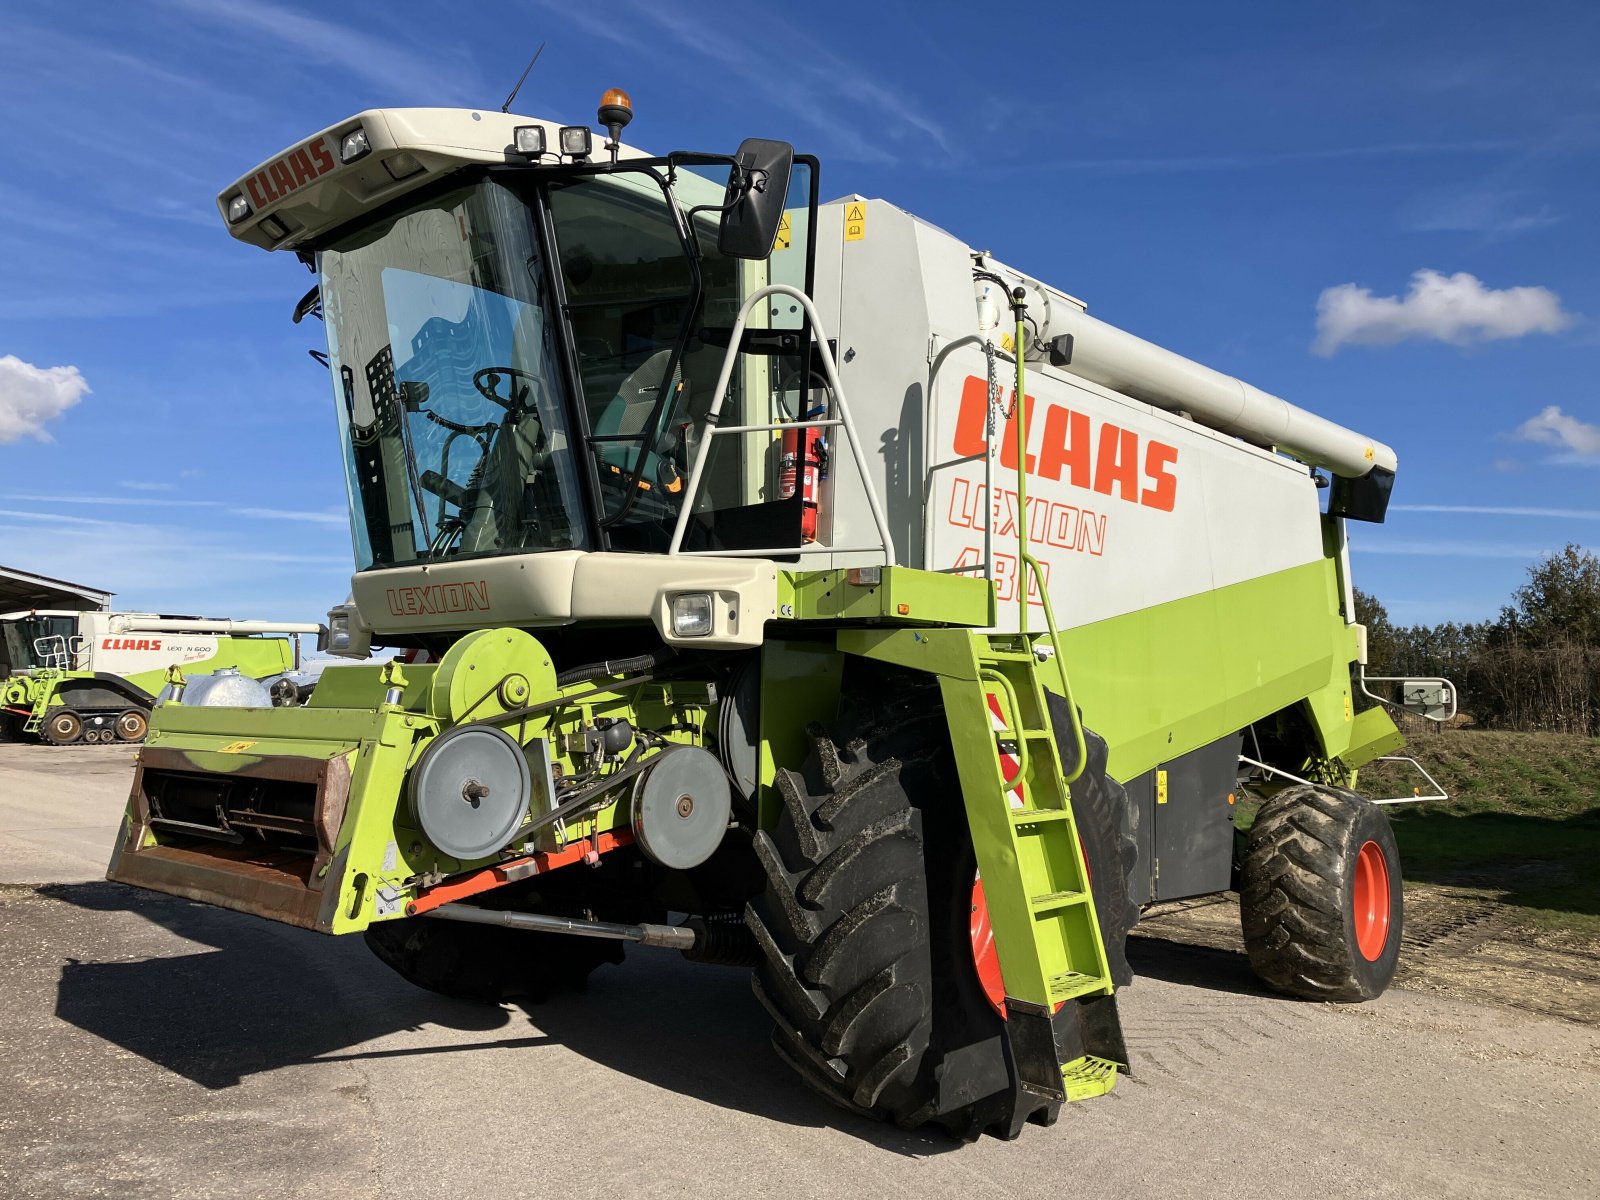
point(36, 640)
point(524, 344)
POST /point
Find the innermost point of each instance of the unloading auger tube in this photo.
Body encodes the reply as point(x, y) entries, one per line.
point(1113, 358)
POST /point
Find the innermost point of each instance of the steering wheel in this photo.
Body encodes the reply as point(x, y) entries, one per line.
point(487, 381)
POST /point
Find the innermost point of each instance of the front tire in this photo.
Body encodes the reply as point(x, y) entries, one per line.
point(866, 926)
point(1320, 897)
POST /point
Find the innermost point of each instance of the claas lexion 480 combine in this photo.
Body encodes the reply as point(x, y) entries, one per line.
point(747, 611)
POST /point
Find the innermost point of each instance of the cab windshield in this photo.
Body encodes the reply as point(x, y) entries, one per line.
point(446, 375)
point(453, 335)
point(25, 642)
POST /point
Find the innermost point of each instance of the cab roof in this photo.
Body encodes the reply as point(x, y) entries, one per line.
point(367, 160)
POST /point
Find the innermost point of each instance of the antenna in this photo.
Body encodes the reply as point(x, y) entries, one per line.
point(506, 107)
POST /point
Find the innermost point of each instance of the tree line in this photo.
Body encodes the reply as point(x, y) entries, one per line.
point(1535, 667)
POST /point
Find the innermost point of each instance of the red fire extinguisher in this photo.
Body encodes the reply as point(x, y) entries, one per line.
point(808, 465)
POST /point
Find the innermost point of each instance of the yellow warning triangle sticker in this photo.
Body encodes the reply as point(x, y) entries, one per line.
point(855, 222)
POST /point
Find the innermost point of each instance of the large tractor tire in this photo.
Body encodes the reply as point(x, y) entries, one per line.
point(1320, 897)
point(870, 947)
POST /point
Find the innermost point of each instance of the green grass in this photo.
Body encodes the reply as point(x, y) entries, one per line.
point(1523, 820)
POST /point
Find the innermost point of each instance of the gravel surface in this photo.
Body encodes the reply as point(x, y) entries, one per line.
point(154, 1047)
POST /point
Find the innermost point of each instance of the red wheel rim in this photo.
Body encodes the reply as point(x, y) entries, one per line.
point(984, 955)
point(1370, 898)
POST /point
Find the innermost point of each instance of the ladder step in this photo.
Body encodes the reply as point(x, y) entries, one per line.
point(1033, 816)
point(1088, 1076)
point(1070, 985)
point(1000, 656)
point(1051, 901)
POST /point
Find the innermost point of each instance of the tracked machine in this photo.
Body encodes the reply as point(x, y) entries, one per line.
point(788, 584)
point(68, 677)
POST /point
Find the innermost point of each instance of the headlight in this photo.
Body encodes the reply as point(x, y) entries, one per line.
point(691, 615)
point(238, 209)
point(575, 140)
point(338, 631)
point(529, 140)
point(354, 145)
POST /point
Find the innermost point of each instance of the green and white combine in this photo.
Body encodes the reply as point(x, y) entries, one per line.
point(734, 582)
point(69, 676)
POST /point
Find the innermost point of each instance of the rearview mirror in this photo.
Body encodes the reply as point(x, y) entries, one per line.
point(757, 190)
point(1431, 699)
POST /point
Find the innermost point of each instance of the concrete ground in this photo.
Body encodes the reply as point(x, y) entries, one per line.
point(153, 1047)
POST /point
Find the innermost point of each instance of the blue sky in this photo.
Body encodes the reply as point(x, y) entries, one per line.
point(1386, 213)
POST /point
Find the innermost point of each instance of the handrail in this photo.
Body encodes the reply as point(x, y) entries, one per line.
point(713, 415)
point(1026, 563)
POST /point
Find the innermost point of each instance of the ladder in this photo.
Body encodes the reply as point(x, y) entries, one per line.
point(1031, 861)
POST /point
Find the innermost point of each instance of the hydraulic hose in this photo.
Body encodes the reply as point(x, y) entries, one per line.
point(615, 666)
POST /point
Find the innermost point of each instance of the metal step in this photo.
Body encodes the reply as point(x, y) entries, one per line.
point(1070, 985)
point(1051, 901)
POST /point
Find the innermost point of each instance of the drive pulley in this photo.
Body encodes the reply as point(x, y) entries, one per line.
point(470, 791)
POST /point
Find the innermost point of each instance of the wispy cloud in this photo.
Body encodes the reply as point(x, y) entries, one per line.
point(148, 485)
point(816, 87)
point(1492, 213)
point(178, 568)
point(1435, 549)
point(283, 514)
point(1489, 510)
point(437, 70)
point(1457, 309)
point(327, 517)
point(1199, 163)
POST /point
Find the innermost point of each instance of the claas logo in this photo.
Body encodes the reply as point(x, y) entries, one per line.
point(295, 169)
point(1064, 444)
point(111, 643)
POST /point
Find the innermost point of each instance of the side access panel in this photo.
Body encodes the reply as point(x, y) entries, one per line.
point(1186, 827)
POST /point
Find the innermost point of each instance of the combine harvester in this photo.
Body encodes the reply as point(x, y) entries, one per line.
point(748, 589)
point(72, 677)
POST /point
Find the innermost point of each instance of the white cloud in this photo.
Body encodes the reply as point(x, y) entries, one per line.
point(1552, 427)
point(31, 396)
point(1448, 308)
point(149, 485)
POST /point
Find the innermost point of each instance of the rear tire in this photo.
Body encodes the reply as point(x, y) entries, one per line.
point(1320, 897)
point(132, 725)
point(865, 925)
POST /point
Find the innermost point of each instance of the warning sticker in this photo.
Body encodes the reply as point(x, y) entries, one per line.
point(855, 222)
point(785, 237)
point(235, 748)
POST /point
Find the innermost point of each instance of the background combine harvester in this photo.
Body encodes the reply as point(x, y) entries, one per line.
point(69, 676)
point(800, 568)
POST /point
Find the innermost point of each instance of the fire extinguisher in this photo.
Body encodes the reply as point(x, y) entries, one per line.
point(808, 465)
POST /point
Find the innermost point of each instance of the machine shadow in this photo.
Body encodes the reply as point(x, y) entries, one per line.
point(699, 1031)
point(1208, 967)
point(264, 997)
point(268, 996)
